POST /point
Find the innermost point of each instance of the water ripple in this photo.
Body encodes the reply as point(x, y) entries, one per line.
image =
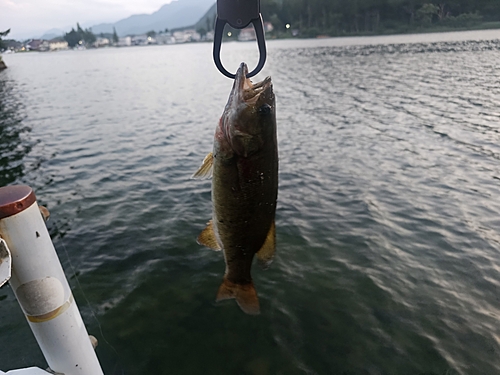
point(387, 222)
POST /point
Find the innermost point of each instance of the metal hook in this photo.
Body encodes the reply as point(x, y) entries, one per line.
point(239, 16)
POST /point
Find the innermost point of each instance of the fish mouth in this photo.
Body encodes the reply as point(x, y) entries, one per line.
point(247, 91)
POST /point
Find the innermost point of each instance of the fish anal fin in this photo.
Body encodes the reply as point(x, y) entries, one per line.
point(205, 171)
point(266, 253)
point(245, 295)
point(207, 237)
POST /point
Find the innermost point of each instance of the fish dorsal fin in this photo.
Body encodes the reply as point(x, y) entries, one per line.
point(266, 253)
point(245, 295)
point(205, 171)
point(207, 237)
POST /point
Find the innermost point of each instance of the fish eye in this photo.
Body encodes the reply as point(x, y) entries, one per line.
point(264, 109)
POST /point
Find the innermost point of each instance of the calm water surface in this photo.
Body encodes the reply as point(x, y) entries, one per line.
point(388, 235)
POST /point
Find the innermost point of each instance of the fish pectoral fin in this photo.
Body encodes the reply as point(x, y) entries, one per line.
point(266, 253)
point(207, 237)
point(45, 212)
point(205, 171)
point(245, 295)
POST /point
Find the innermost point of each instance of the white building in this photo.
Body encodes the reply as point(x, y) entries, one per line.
point(102, 42)
point(143, 40)
point(57, 45)
point(125, 42)
point(209, 35)
point(185, 36)
point(165, 38)
point(139, 40)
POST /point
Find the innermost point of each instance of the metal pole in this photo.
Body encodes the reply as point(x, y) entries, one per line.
point(41, 288)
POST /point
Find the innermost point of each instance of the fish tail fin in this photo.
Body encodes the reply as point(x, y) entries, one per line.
point(245, 295)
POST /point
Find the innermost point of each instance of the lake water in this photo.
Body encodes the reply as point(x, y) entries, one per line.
point(388, 227)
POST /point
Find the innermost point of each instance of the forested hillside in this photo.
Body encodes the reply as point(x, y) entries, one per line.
point(341, 17)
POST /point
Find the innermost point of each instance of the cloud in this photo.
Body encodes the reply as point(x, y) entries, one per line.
point(31, 18)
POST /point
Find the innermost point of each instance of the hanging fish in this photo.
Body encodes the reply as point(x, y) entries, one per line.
point(244, 171)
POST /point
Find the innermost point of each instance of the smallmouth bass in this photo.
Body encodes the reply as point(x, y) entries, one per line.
point(244, 170)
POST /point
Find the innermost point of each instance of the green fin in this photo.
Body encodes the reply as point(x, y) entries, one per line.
point(207, 237)
point(205, 171)
point(266, 253)
point(245, 295)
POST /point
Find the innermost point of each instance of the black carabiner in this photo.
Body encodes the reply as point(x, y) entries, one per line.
point(239, 14)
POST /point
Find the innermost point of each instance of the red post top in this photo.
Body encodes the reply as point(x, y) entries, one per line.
point(15, 199)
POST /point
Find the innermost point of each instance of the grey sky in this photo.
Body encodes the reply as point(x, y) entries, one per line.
point(32, 18)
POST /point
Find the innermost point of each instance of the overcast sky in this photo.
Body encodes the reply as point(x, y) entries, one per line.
point(32, 18)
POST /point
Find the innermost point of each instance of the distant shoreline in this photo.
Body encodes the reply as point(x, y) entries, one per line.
point(485, 26)
point(414, 30)
point(409, 30)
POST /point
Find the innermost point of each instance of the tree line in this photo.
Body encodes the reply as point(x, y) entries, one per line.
point(339, 17)
point(84, 37)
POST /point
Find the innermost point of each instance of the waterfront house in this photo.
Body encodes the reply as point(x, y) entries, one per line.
point(14, 45)
point(143, 40)
point(37, 45)
point(125, 42)
point(165, 38)
point(185, 36)
point(102, 42)
point(57, 44)
point(209, 36)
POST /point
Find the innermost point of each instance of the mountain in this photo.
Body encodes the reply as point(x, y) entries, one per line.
point(207, 21)
point(52, 33)
point(176, 14)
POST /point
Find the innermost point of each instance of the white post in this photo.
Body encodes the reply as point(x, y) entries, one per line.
point(40, 286)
